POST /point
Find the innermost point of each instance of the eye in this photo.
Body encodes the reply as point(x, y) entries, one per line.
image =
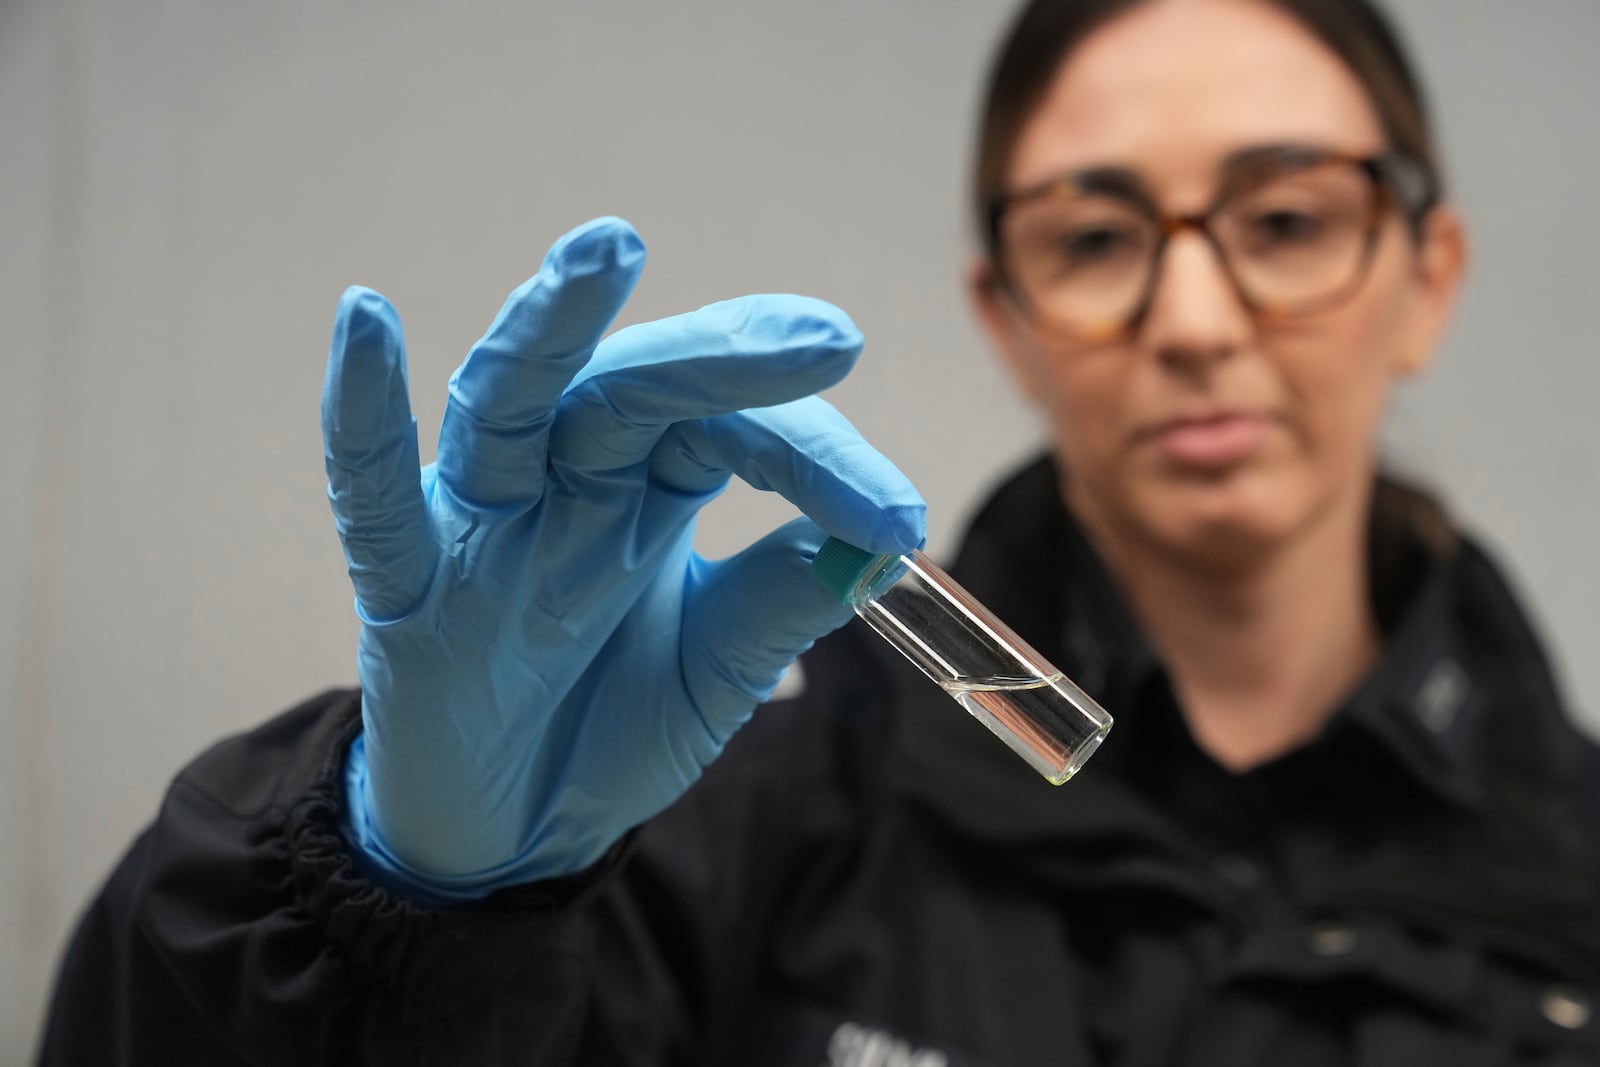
point(1089, 246)
point(1286, 227)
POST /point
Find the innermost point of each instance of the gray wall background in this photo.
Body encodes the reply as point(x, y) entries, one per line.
point(187, 187)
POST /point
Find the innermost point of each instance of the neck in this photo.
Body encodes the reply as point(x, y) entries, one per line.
point(1260, 653)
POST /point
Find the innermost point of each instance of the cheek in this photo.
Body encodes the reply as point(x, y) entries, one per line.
point(1087, 394)
point(1338, 374)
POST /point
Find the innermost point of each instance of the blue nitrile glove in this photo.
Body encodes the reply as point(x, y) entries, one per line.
point(544, 661)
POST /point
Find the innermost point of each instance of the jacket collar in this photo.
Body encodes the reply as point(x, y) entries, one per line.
point(1028, 560)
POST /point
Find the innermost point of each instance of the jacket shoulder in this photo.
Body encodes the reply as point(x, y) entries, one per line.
point(272, 765)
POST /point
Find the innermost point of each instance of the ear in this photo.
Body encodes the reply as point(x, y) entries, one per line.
point(1441, 263)
point(997, 314)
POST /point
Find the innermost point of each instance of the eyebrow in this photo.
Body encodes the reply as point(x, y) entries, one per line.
point(1304, 151)
point(1126, 181)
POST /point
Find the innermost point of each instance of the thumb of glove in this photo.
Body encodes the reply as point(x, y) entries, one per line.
point(748, 617)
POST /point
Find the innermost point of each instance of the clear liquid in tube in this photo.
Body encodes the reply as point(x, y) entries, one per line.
point(1035, 718)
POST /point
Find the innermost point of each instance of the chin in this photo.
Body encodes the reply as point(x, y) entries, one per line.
point(1222, 521)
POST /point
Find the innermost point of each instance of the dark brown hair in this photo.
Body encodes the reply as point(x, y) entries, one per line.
point(1046, 31)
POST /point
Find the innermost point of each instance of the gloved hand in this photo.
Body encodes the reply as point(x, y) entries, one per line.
point(544, 660)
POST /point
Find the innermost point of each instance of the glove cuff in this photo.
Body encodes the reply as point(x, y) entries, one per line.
point(378, 864)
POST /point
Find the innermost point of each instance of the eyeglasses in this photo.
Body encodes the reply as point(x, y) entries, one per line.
point(1294, 230)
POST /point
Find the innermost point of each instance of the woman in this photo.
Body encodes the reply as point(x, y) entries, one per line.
point(1341, 819)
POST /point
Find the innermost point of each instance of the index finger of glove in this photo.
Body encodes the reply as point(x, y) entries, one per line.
point(755, 351)
point(502, 398)
point(370, 452)
point(806, 452)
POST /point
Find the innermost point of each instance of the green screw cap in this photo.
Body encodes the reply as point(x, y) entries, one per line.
point(839, 565)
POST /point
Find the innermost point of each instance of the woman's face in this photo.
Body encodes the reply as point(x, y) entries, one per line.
point(1206, 430)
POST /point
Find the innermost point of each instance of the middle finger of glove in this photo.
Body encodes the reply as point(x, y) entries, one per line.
point(503, 397)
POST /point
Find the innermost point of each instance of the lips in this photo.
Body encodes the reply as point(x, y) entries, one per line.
point(1211, 442)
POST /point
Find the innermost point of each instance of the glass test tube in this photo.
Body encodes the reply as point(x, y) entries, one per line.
point(1019, 695)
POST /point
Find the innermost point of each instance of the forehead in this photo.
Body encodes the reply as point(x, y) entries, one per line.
point(1173, 87)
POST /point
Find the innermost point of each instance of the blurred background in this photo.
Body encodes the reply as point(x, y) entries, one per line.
point(188, 186)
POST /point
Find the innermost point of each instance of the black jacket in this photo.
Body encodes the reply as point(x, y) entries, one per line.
point(866, 878)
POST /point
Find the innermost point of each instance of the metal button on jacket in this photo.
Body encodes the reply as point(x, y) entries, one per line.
point(1440, 698)
point(1332, 939)
point(1566, 1006)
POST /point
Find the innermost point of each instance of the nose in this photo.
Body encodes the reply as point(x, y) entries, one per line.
point(1195, 317)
